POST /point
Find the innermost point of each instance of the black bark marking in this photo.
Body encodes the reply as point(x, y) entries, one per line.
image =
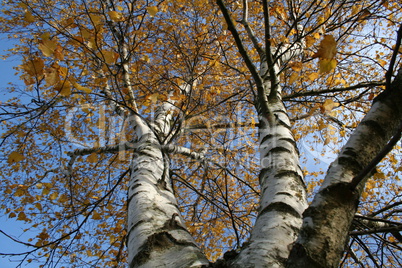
point(158, 241)
point(279, 149)
point(375, 127)
point(135, 186)
point(267, 137)
point(280, 207)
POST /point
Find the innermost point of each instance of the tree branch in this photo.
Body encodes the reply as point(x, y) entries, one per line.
point(388, 229)
point(333, 90)
point(269, 57)
point(250, 31)
point(388, 75)
point(239, 44)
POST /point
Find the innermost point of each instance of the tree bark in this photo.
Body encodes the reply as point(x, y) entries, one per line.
point(157, 236)
point(327, 221)
point(283, 192)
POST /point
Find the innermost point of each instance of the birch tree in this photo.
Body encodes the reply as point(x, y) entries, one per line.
point(193, 133)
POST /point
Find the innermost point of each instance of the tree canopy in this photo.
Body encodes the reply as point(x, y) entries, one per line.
point(199, 76)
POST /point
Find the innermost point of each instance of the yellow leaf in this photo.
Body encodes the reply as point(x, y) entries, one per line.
point(51, 77)
point(328, 105)
point(64, 88)
point(382, 62)
point(152, 10)
point(38, 206)
point(45, 191)
point(110, 56)
point(153, 97)
point(28, 17)
point(115, 16)
point(253, 122)
point(82, 88)
point(96, 216)
point(22, 216)
point(296, 66)
point(313, 76)
point(34, 66)
point(63, 71)
point(96, 20)
point(327, 48)
point(92, 158)
point(47, 46)
point(145, 58)
point(63, 198)
point(293, 77)
point(310, 40)
point(54, 195)
point(15, 157)
point(12, 215)
point(327, 65)
point(355, 9)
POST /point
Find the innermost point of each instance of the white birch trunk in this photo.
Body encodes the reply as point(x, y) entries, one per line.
point(283, 191)
point(328, 219)
point(283, 195)
point(157, 236)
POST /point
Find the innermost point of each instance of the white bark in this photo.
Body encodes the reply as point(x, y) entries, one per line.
point(283, 192)
point(283, 195)
point(157, 236)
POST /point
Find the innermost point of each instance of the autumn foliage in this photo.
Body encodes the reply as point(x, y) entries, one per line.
point(67, 140)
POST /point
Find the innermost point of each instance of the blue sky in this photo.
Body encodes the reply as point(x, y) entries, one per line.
point(12, 227)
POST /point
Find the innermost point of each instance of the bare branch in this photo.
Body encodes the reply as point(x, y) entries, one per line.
point(250, 31)
point(333, 90)
point(388, 75)
point(239, 43)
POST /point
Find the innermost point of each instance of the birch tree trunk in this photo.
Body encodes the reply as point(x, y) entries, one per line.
point(283, 192)
point(328, 219)
point(157, 235)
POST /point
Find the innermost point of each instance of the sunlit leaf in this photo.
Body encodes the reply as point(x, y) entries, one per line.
point(64, 88)
point(293, 77)
point(15, 157)
point(28, 17)
point(110, 56)
point(328, 105)
point(152, 10)
point(92, 158)
point(53, 196)
point(96, 19)
point(82, 88)
point(47, 45)
point(22, 216)
point(313, 76)
point(153, 97)
point(327, 65)
point(296, 66)
point(96, 216)
point(34, 66)
point(327, 48)
point(115, 16)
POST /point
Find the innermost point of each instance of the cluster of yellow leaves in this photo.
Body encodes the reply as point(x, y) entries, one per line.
point(326, 54)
